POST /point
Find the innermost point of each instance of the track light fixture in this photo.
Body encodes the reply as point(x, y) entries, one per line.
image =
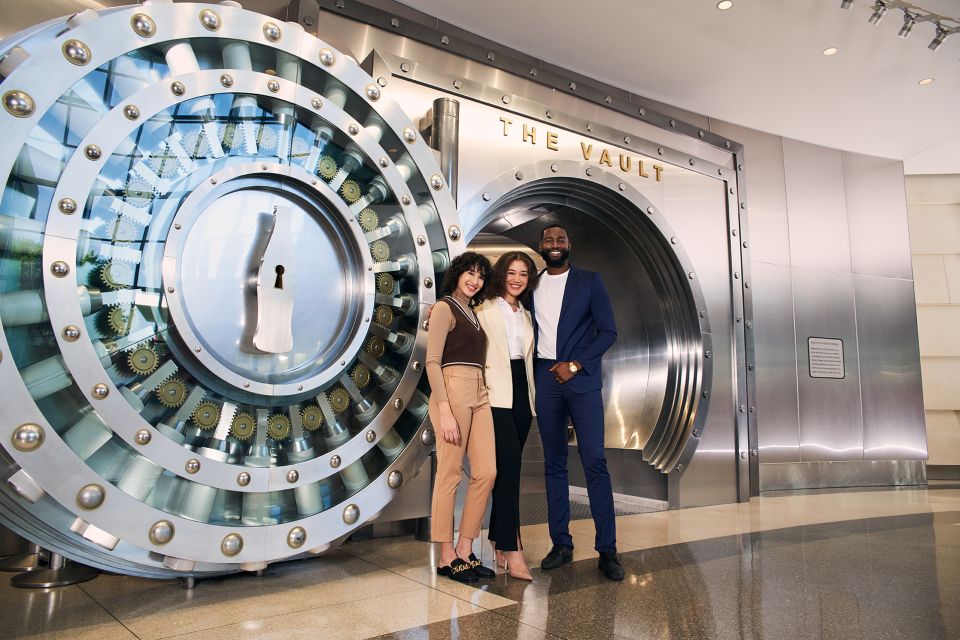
point(845, 4)
point(879, 8)
point(912, 16)
point(908, 21)
point(938, 39)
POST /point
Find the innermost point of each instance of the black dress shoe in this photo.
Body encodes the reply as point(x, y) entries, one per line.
point(559, 555)
point(459, 571)
point(478, 568)
point(609, 564)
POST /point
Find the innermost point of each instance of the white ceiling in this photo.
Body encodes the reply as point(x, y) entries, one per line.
point(759, 64)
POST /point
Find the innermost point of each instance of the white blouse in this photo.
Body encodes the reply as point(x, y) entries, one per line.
point(513, 324)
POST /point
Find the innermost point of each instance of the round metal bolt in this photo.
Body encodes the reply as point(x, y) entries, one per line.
point(659, 151)
point(691, 275)
point(143, 25)
point(590, 171)
point(572, 86)
point(142, 437)
point(131, 112)
point(608, 99)
point(533, 71)
point(549, 114)
point(71, 333)
point(491, 56)
point(701, 133)
point(100, 391)
point(27, 437)
point(673, 123)
point(177, 226)
point(743, 205)
point(170, 289)
point(177, 88)
point(409, 135)
point(384, 162)
point(395, 479)
point(736, 275)
point(427, 437)
point(296, 537)
point(18, 103)
point(622, 187)
point(398, 404)
point(454, 232)
point(263, 167)
point(445, 40)
point(243, 478)
point(746, 245)
point(197, 349)
point(740, 167)
point(373, 92)
point(334, 461)
point(425, 325)
point(749, 324)
point(326, 57)
point(753, 409)
point(641, 112)
point(436, 182)
point(518, 175)
point(554, 167)
point(271, 31)
point(316, 103)
point(696, 433)
point(210, 19)
point(226, 80)
point(650, 211)
point(406, 199)
point(405, 67)
point(292, 476)
point(458, 84)
point(370, 435)
point(739, 319)
point(674, 240)
point(746, 284)
point(192, 466)
point(726, 143)
point(421, 240)
point(90, 497)
point(505, 99)
point(733, 232)
point(589, 127)
point(67, 206)
point(351, 513)
point(273, 86)
point(417, 366)
point(705, 394)
point(353, 129)
point(232, 545)
point(428, 282)
point(486, 196)
point(93, 152)
point(162, 532)
point(679, 467)
point(626, 139)
point(395, 22)
point(708, 354)
point(60, 269)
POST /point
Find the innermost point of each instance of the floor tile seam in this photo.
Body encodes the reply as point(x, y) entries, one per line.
point(107, 611)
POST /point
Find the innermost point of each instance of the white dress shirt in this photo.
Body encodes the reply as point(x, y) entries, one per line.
point(548, 299)
point(513, 325)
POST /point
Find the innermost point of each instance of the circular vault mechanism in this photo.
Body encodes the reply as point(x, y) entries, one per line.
point(218, 236)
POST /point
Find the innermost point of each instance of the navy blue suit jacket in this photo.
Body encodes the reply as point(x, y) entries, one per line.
point(586, 328)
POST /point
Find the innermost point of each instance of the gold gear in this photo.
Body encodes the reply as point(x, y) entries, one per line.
point(243, 426)
point(376, 346)
point(380, 251)
point(117, 275)
point(172, 393)
point(119, 319)
point(143, 360)
point(368, 219)
point(139, 193)
point(350, 191)
point(360, 376)
point(278, 427)
point(385, 283)
point(383, 316)
point(312, 418)
point(206, 415)
point(327, 168)
point(339, 399)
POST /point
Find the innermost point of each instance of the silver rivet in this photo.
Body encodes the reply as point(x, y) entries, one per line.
point(271, 31)
point(263, 167)
point(428, 282)
point(371, 435)
point(67, 206)
point(71, 333)
point(707, 354)
point(243, 478)
point(316, 103)
point(406, 199)
point(395, 22)
point(192, 466)
point(703, 314)
point(726, 143)
point(100, 391)
point(197, 349)
point(246, 385)
point(590, 171)
point(326, 57)
point(454, 232)
point(296, 537)
point(334, 461)
point(659, 151)
point(696, 432)
point(746, 284)
point(273, 86)
point(93, 152)
point(226, 80)
point(142, 437)
point(719, 172)
point(351, 513)
point(691, 275)
point(554, 167)
point(505, 99)
point(691, 162)
point(679, 467)
point(18, 103)
point(232, 545)
point(746, 245)
point(90, 497)
point(673, 123)
point(292, 476)
point(213, 181)
point(736, 275)
point(421, 240)
point(170, 289)
point(674, 240)
point(486, 196)
point(626, 139)
point(395, 479)
point(740, 167)
point(373, 92)
point(641, 112)
point(177, 88)
point(398, 404)
point(518, 175)
point(210, 19)
point(177, 226)
point(162, 532)
point(425, 325)
point(417, 366)
point(405, 67)
point(436, 181)
point(131, 112)
point(533, 71)
point(650, 211)
point(491, 56)
point(589, 127)
point(60, 269)
point(572, 86)
point(701, 133)
point(409, 135)
point(457, 84)
point(549, 113)
point(27, 437)
point(445, 40)
point(353, 129)
point(427, 437)
point(743, 205)
point(143, 25)
point(608, 99)
point(622, 187)
point(384, 162)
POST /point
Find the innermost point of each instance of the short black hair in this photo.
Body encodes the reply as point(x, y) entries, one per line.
point(553, 226)
point(460, 265)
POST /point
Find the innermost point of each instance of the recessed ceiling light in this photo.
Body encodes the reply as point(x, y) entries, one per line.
point(829, 51)
point(726, 4)
point(926, 81)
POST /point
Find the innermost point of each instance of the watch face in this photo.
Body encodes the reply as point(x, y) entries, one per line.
point(214, 252)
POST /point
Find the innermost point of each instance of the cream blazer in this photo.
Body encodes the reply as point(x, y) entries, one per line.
point(498, 374)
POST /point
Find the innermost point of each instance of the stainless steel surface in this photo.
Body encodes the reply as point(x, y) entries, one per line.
point(445, 138)
point(849, 473)
point(831, 421)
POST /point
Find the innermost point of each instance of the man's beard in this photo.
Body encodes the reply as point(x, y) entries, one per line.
point(559, 261)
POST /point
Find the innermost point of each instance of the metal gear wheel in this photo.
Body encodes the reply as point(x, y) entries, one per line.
point(143, 360)
point(116, 275)
point(380, 251)
point(300, 148)
point(360, 376)
point(268, 138)
point(118, 319)
point(327, 168)
point(312, 418)
point(172, 393)
point(164, 163)
point(278, 427)
point(376, 346)
point(339, 399)
point(368, 219)
point(383, 316)
point(243, 426)
point(232, 135)
point(196, 144)
point(350, 191)
point(206, 415)
point(125, 231)
point(386, 283)
point(139, 193)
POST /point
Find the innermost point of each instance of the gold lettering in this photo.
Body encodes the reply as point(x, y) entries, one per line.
point(625, 167)
point(659, 170)
point(642, 174)
point(605, 158)
point(551, 140)
point(506, 122)
point(531, 133)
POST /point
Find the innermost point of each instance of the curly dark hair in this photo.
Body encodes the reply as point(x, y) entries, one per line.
point(498, 281)
point(460, 265)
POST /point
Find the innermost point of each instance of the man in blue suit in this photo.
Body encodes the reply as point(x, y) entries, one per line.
point(574, 326)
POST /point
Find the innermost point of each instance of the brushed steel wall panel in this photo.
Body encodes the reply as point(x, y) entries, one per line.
point(778, 421)
point(877, 216)
point(831, 422)
point(893, 422)
point(816, 207)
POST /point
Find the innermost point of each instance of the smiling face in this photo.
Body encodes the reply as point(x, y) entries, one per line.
point(470, 282)
point(518, 277)
point(555, 247)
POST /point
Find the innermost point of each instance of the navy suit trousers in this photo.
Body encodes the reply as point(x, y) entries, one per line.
point(556, 403)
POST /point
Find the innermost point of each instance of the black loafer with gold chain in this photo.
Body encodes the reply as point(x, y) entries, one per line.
point(478, 568)
point(459, 571)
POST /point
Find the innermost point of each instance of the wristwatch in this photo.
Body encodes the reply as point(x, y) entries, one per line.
point(573, 367)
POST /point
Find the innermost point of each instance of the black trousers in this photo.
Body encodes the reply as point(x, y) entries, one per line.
point(511, 428)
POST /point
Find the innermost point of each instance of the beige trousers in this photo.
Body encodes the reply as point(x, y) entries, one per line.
point(467, 395)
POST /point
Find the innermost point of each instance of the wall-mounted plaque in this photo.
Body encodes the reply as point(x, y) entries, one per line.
point(826, 358)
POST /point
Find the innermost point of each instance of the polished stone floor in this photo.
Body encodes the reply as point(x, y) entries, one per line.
point(850, 565)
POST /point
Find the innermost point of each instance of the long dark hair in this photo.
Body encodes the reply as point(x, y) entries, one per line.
point(498, 281)
point(460, 265)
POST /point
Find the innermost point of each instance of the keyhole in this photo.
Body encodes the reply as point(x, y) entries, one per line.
point(278, 283)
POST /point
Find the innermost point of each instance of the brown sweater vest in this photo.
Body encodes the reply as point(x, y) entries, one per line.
point(466, 343)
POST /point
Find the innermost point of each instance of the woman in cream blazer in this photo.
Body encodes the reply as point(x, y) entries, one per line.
point(509, 377)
